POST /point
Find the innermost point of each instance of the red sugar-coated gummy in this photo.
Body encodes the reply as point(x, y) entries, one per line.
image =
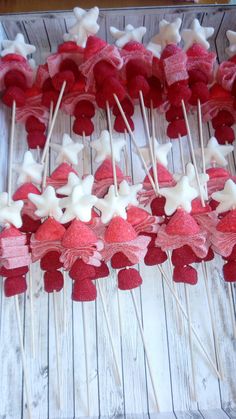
point(47, 85)
point(197, 207)
point(154, 98)
point(174, 113)
point(106, 93)
point(34, 124)
point(218, 172)
point(101, 271)
point(83, 126)
point(84, 108)
point(157, 206)
point(12, 94)
point(129, 279)
point(162, 173)
point(229, 271)
point(134, 46)
point(78, 235)
point(232, 255)
point(103, 70)
point(32, 92)
point(182, 224)
point(185, 274)
point(119, 260)
point(62, 172)
point(136, 215)
point(29, 225)
point(155, 256)
point(154, 83)
point(196, 49)
point(210, 255)
point(183, 256)
point(15, 285)
point(218, 92)
point(119, 124)
point(70, 65)
point(224, 135)
point(223, 118)
point(196, 76)
point(233, 90)
point(51, 96)
point(14, 57)
point(60, 78)
point(136, 85)
point(119, 231)
point(9, 273)
point(176, 128)
point(170, 50)
point(81, 270)
point(93, 45)
point(51, 261)
point(36, 139)
point(127, 107)
point(10, 232)
point(53, 281)
point(15, 78)
point(105, 171)
point(136, 67)
point(84, 291)
point(69, 46)
point(228, 223)
point(178, 92)
point(23, 191)
point(50, 230)
point(199, 91)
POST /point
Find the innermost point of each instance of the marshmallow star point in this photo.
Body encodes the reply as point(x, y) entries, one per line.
point(102, 147)
point(47, 204)
point(161, 151)
point(17, 46)
point(191, 175)
point(197, 34)
point(168, 33)
point(29, 171)
point(73, 180)
point(85, 26)
point(10, 214)
point(231, 49)
point(68, 151)
point(111, 206)
point(129, 192)
point(130, 33)
point(215, 153)
point(179, 196)
point(226, 197)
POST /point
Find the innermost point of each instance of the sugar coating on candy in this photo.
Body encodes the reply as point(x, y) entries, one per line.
point(223, 117)
point(197, 49)
point(51, 261)
point(17, 46)
point(23, 191)
point(84, 291)
point(119, 231)
point(119, 260)
point(218, 172)
point(198, 208)
point(9, 273)
point(130, 33)
point(14, 93)
point(136, 85)
point(53, 281)
point(112, 87)
point(158, 206)
point(136, 67)
point(101, 271)
point(225, 135)
point(69, 65)
point(164, 176)
point(183, 256)
point(182, 224)
point(15, 286)
point(155, 256)
point(102, 147)
point(178, 92)
point(68, 151)
point(120, 126)
point(215, 153)
point(50, 97)
point(10, 231)
point(227, 224)
point(61, 77)
point(196, 76)
point(36, 139)
point(174, 112)
point(105, 171)
point(84, 108)
point(47, 204)
point(169, 50)
point(83, 126)
point(62, 172)
point(34, 124)
point(129, 279)
point(185, 274)
point(199, 91)
point(29, 225)
point(136, 215)
point(81, 270)
point(103, 70)
point(229, 271)
point(93, 46)
point(85, 25)
point(197, 34)
point(10, 213)
point(78, 235)
point(50, 230)
point(15, 78)
point(127, 107)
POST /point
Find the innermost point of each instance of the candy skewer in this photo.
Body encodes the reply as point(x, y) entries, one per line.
point(86, 358)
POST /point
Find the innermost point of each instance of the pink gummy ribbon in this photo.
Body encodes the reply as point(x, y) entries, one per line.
point(22, 66)
point(134, 250)
point(33, 107)
point(149, 225)
point(14, 252)
point(226, 74)
point(90, 254)
point(39, 248)
point(56, 59)
point(175, 68)
point(204, 63)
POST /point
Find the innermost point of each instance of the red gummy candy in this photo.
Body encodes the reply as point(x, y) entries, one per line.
point(15, 78)
point(70, 65)
point(12, 94)
point(23, 191)
point(134, 46)
point(136, 67)
point(155, 83)
point(83, 126)
point(223, 118)
point(34, 124)
point(169, 50)
point(50, 230)
point(197, 50)
point(49, 97)
point(229, 271)
point(178, 92)
point(210, 255)
point(60, 78)
point(51, 261)
point(218, 92)
point(101, 271)
point(119, 231)
point(14, 57)
point(119, 260)
point(93, 45)
point(185, 274)
point(174, 113)
point(84, 108)
point(177, 128)
point(102, 71)
point(196, 76)
point(127, 107)
point(47, 85)
point(153, 98)
point(81, 270)
point(69, 46)
point(53, 281)
point(136, 85)
point(228, 223)
point(78, 235)
point(9, 273)
point(157, 206)
point(15, 285)
point(183, 256)
point(224, 135)
point(29, 225)
point(104, 171)
point(84, 291)
point(182, 224)
point(232, 255)
point(120, 126)
point(129, 279)
point(106, 93)
point(155, 256)
point(36, 139)
point(199, 92)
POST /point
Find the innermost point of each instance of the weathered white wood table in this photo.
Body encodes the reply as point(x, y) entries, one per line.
point(169, 350)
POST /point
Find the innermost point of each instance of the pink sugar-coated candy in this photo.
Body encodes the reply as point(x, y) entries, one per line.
point(69, 65)
point(23, 191)
point(155, 256)
point(134, 46)
point(129, 279)
point(197, 50)
point(84, 291)
point(29, 225)
point(102, 71)
point(51, 262)
point(136, 67)
point(127, 107)
point(176, 128)
point(101, 271)
point(199, 91)
point(83, 126)
point(162, 173)
point(93, 46)
point(119, 231)
point(178, 92)
point(62, 172)
point(53, 281)
point(81, 270)
point(223, 117)
point(224, 135)
point(183, 256)
point(136, 85)
point(218, 172)
point(10, 232)
point(14, 93)
point(120, 126)
point(119, 260)
point(104, 171)
point(157, 206)
point(69, 46)
point(34, 124)
point(60, 78)
point(11, 251)
point(227, 224)
point(174, 113)
point(182, 224)
point(9, 273)
point(198, 208)
point(78, 235)
point(15, 78)
point(50, 230)
point(14, 57)
point(185, 274)
point(136, 215)
point(229, 271)
point(15, 286)
point(84, 108)
point(196, 76)
point(36, 139)
point(169, 50)
point(106, 93)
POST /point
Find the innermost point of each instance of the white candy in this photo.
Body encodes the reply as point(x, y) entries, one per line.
point(73, 180)
point(197, 34)
point(160, 151)
point(128, 34)
point(191, 175)
point(29, 171)
point(47, 203)
point(102, 147)
point(179, 196)
point(10, 214)
point(215, 153)
point(154, 48)
point(85, 26)
point(231, 49)
point(129, 192)
point(17, 46)
point(67, 151)
point(168, 33)
point(226, 197)
point(112, 206)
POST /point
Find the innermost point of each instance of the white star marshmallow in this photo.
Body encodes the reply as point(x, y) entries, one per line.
point(17, 46)
point(102, 147)
point(128, 34)
point(85, 26)
point(191, 175)
point(215, 153)
point(226, 197)
point(73, 180)
point(29, 171)
point(47, 204)
point(168, 33)
point(231, 49)
point(197, 34)
point(179, 196)
point(161, 151)
point(129, 192)
point(112, 206)
point(10, 214)
point(68, 151)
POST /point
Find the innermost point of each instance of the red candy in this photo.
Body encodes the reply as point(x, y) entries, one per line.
point(185, 274)
point(119, 231)
point(106, 93)
point(196, 76)
point(183, 256)
point(78, 235)
point(12, 94)
point(50, 97)
point(155, 256)
point(69, 46)
point(36, 139)
point(104, 171)
point(102, 71)
point(129, 279)
point(47, 85)
point(60, 78)
point(182, 224)
point(169, 50)
point(101, 271)
point(23, 191)
point(157, 206)
point(15, 78)
point(93, 45)
point(127, 107)
point(120, 126)
point(196, 50)
point(29, 225)
point(70, 65)
point(53, 281)
point(174, 113)
point(84, 108)
point(119, 260)
point(83, 126)
point(81, 271)
point(84, 291)
point(50, 230)
point(228, 223)
point(136, 67)
point(178, 92)
point(15, 285)
point(223, 118)
point(177, 128)
point(224, 135)
point(51, 261)
point(9, 273)
point(34, 124)
point(136, 85)
point(229, 271)
point(199, 92)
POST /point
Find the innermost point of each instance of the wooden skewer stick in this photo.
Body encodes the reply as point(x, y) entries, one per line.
point(31, 296)
point(126, 158)
point(178, 316)
point(86, 358)
point(231, 306)
point(64, 301)
point(190, 343)
point(199, 115)
point(59, 383)
point(112, 151)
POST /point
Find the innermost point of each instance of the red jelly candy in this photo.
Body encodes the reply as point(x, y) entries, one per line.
point(9, 273)
point(60, 78)
point(174, 113)
point(183, 256)
point(29, 224)
point(136, 85)
point(81, 270)
point(223, 118)
point(185, 274)
point(101, 271)
point(47, 85)
point(153, 98)
point(196, 76)
point(15, 285)
point(15, 78)
point(83, 126)
point(51, 261)
point(210, 255)
point(102, 71)
point(53, 281)
point(84, 291)
point(69, 46)
point(106, 93)
point(157, 206)
point(70, 65)
point(34, 124)
point(119, 124)
point(224, 135)
point(50, 97)
point(84, 108)
point(169, 50)
point(177, 128)
point(155, 256)
point(36, 139)
point(178, 92)
point(127, 107)
point(12, 94)
point(229, 271)
point(136, 67)
point(129, 279)
point(119, 260)
point(199, 92)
